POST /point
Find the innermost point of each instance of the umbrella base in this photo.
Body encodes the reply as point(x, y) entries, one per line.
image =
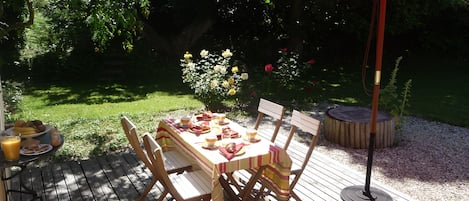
point(357, 193)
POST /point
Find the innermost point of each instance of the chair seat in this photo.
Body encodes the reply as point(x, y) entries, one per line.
point(192, 184)
point(175, 162)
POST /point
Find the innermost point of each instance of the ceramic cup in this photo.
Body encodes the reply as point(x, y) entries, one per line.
point(221, 118)
point(211, 140)
point(251, 133)
point(185, 121)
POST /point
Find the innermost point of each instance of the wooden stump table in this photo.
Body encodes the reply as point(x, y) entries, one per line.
point(350, 127)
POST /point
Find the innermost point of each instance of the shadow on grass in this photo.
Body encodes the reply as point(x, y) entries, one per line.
point(94, 93)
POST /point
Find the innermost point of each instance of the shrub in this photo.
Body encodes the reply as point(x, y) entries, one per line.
point(12, 97)
point(212, 77)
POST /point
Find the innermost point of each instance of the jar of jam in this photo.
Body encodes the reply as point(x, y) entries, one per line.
point(55, 137)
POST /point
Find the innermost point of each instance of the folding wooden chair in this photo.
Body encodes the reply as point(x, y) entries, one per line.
point(269, 109)
point(173, 160)
point(273, 110)
point(310, 126)
point(192, 186)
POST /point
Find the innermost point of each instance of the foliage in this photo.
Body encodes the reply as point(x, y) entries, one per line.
point(12, 97)
point(213, 78)
point(287, 72)
point(390, 100)
point(112, 19)
point(36, 39)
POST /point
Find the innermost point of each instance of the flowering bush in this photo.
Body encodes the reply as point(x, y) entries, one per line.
point(212, 77)
point(288, 70)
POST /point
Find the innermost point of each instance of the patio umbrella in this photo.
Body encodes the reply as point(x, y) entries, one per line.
point(2, 109)
point(366, 192)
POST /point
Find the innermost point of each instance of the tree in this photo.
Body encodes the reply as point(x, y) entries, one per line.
point(9, 26)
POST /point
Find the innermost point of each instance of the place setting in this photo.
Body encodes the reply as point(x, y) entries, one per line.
point(226, 147)
point(251, 136)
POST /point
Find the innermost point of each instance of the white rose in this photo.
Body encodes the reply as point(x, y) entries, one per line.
point(191, 66)
point(222, 69)
point(203, 53)
point(214, 83)
point(227, 53)
point(225, 84)
point(217, 68)
point(244, 76)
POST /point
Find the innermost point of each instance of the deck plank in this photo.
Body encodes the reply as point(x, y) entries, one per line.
point(121, 184)
point(144, 176)
point(70, 182)
point(60, 184)
point(99, 183)
point(123, 176)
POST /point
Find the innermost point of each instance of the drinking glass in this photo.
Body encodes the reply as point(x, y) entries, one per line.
point(11, 147)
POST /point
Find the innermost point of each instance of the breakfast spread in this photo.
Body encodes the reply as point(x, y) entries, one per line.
point(28, 127)
point(36, 149)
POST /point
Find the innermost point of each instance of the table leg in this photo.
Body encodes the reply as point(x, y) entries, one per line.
point(28, 190)
point(245, 193)
point(3, 194)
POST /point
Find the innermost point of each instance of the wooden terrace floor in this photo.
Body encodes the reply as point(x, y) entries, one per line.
point(122, 176)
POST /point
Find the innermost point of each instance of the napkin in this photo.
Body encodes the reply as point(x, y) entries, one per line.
point(229, 155)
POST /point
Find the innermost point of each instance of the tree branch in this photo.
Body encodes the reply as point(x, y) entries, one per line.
point(20, 25)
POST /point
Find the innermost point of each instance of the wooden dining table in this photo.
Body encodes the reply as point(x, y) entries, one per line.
point(261, 154)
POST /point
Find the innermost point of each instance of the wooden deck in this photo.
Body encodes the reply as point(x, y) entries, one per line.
point(122, 177)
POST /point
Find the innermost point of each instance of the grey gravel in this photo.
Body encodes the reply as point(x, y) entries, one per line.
point(430, 161)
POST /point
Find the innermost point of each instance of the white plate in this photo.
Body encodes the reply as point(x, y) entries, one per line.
point(10, 131)
point(44, 149)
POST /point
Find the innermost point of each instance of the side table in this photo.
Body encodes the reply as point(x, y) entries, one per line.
point(22, 164)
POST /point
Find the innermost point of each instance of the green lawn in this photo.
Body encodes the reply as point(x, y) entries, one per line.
point(88, 114)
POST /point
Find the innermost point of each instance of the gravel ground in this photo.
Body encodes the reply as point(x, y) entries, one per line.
point(430, 162)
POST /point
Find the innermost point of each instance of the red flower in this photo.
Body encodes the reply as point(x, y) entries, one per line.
point(312, 61)
point(268, 68)
point(253, 94)
point(284, 49)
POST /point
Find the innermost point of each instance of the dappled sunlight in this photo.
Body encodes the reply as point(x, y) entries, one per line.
point(346, 100)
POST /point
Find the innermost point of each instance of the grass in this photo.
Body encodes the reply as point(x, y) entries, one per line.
point(88, 114)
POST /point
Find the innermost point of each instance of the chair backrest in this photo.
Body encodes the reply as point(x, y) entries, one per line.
point(308, 125)
point(131, 133)
point(274, 110)
point(155, 155)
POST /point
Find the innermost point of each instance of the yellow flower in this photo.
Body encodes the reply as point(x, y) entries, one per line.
point(225, 84)
point(203, 53)
point(234, 69)
point(214, 83)
point(187, 56)
point(244, 76)
point(232, 91)
point(231, 80)
point(227, 53)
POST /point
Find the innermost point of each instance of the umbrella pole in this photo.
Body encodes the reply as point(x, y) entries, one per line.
point(359, 192)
